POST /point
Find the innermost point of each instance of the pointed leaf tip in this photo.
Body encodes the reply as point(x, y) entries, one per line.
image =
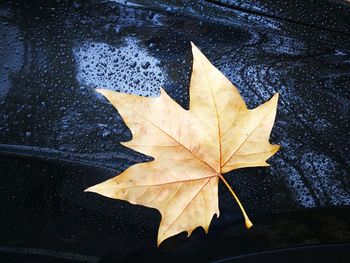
point(90, 189)
point(276, 96)
point(101, 91)
point(194, 48)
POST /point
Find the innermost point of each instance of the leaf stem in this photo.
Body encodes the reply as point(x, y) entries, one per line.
point(248, 223)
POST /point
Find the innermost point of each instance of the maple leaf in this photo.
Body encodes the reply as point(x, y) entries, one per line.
point(191, 149)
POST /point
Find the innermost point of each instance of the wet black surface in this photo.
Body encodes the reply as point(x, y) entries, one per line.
point(322, 254)
point(44, 208)
point(58, 136)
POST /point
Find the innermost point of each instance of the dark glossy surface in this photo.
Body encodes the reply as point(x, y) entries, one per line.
point(321, 254)
point(58, 136)
point(47, 216)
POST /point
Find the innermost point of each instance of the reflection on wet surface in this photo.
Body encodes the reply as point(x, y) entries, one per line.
point(11, 58)
point(53, 55)
point(127, 68)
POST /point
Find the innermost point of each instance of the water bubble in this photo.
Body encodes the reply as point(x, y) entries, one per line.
point(145, 65)
point(116, 67)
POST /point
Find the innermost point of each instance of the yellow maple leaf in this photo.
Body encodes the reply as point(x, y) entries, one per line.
point(191, 149)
